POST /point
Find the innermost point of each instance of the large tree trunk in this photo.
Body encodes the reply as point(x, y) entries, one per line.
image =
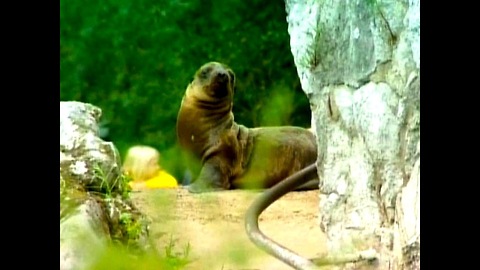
point(359, 64)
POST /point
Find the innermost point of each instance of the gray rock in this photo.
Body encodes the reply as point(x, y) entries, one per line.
point(93, 207)
point(83, 235)
point(84, 157)
point(358, 62)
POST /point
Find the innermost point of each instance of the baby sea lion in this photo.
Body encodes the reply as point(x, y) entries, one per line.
point(232, 155)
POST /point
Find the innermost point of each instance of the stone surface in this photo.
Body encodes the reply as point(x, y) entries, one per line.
point(94, 206)
point(358, 62)
point(83, 155)
point(407, 225)
point(82, 236)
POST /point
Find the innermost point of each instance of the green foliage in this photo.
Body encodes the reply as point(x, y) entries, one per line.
point(134, 60)
point(277, 110)
point(175, 258)
point(133, 227)
point(120, 184)
point(115, 257)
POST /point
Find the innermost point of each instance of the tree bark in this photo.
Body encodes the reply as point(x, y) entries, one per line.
point(359, 64)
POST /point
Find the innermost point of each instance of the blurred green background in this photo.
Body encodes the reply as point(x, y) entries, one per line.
point(134, 59)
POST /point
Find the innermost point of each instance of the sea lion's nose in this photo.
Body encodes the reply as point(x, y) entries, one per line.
point(222, 76)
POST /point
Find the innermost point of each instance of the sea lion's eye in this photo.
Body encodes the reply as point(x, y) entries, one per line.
point(204, 73)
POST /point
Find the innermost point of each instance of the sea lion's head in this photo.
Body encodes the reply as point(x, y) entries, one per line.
point(212, 82)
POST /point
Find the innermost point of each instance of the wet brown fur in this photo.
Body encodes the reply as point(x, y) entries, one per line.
point(232, 155)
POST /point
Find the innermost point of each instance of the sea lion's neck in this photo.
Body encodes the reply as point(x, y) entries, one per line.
point(198, 118)
point(219, 106)
point(215, 111)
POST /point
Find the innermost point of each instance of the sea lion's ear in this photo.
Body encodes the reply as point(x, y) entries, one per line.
point(232, 76)
point(232, 79)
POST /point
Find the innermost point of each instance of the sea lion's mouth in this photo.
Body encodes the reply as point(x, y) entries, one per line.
point(218, 90)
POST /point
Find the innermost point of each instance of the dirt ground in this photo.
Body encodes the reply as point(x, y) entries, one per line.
point(212, 224)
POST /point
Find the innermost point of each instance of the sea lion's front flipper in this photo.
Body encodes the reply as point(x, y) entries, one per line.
point(211, 178)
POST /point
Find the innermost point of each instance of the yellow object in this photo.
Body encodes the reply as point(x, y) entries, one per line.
point(162, 180)
point(142, 165)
